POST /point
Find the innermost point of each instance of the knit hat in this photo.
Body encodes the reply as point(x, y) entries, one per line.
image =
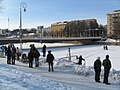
point(98, 57)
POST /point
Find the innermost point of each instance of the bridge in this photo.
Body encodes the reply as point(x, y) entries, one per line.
point(84, 40)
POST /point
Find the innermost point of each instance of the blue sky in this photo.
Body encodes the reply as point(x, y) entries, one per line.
point(46, 12)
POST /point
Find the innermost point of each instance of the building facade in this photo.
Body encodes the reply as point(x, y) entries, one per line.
point(113, 23)
point(76, 28)
point(57, 29)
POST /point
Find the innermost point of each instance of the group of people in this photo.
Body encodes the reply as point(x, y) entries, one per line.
point(34, 54)
point(97, 67)
point(12, 53)
point(105, 47)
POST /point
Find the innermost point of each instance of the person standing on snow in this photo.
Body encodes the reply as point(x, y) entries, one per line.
point(50, 59)
point(107, 67)
point(9, 56)
point(31, 58)
point(36, 56)
point(17, 54)
point(80, 60)
point(44, 50)
point(13, 54)
point(31, 55)
point(97, 68)
point(69, 54)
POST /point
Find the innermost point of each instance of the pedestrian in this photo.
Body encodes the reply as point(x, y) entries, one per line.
point(17, 53)
point(30, 57)
point(9, 55)
point(32, 48)
point(3, 51)
point(97, 68)
point(50, 59)
point(107, 67)
point(13, 54)
point(44, 50)
point(36, 56)
point(6, 50)
point(80, 60)
point(69, 54)
point(106, 47)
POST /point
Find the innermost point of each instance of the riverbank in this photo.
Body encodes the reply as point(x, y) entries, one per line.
point(108, 43)
point(48, 45)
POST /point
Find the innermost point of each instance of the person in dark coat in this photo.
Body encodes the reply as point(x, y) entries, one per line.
point(80, 60)
point(30, 57)
point(9, 55)
point(69, 54)
point(6, 50)
point(36, 56)
point(97, 68)
point(107, 67)
point(106, 47)
point(50, 59)
point(13, 54)
point(32, 48)
point(44, 50)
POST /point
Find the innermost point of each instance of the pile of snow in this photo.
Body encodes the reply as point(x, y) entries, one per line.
point(15, 79)
point(65, 65)
point(83, 70)
point(109, 40)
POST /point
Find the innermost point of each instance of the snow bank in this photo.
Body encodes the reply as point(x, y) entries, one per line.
point(86, 71)
point(15, 79)
point(109, 40)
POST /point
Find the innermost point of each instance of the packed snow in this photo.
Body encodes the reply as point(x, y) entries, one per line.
point(15, 79)
point(67, 75)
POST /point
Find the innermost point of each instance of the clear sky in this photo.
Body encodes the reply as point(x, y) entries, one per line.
point(46, 12)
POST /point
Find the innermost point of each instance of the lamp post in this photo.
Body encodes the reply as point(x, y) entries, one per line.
point(24, 6)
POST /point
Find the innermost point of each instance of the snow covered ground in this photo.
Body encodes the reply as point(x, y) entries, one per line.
point(67, 75)
point(12, 78)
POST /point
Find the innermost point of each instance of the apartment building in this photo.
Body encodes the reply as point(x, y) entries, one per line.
point(113, 23)
point(57, 28)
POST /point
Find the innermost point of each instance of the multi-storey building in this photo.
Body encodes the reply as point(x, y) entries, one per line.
point(57, 28)
point(113, 23)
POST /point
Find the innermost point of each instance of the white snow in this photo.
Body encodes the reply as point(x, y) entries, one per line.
point(40, 45)
point(67, 75)
point(112, 40)
point(12, 78)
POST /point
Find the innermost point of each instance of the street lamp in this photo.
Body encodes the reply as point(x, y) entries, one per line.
point(24, 6)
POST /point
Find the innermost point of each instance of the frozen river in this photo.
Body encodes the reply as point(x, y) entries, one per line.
point(89, 53)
